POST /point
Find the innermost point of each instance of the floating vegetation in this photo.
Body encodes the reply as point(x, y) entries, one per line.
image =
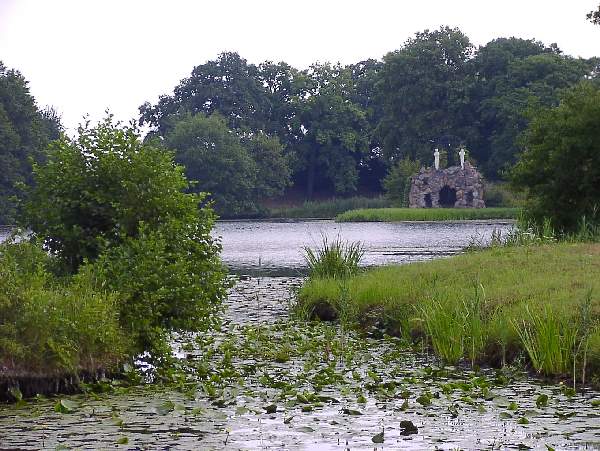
point(229, 389)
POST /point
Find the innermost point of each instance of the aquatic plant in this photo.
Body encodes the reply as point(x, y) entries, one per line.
point(445, 329)
point(334, 259)
point(549, 339)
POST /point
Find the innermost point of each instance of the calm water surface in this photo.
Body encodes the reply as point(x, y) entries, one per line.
point(276, 247)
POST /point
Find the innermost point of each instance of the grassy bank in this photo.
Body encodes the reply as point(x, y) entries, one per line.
point(491, 306)
point(425, 214)
point(327, 209)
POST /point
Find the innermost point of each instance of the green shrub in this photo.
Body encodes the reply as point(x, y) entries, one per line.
point(51, 324)
point(499, 194)
point(397, 181)
point(334, 259)
point(167, 279)
point(108, 199)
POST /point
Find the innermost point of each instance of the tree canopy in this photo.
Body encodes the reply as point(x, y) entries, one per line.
point(560, 166)
point(25, 130)
point(342, 128)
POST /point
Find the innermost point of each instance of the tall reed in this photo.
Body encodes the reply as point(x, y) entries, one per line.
point(334, 259)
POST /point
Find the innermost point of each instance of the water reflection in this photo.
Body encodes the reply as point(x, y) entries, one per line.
point(275, 248)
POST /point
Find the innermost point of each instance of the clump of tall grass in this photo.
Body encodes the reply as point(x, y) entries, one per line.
point(456, 329)
point(334, 259)
point(549, 339)
point(426, 214)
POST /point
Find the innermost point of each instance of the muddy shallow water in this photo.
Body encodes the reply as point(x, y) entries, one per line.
point(265, 382)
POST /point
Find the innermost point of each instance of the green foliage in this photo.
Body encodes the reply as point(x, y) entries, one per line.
point(238, 173)
point(327, 208)
point(425, 214)
point(499, 194)
point(333, 129)
point(54, 325)
point(94, 191)
point(513, 75)
point(397, 182)
point(560, 168)
point(334, 259)
point(549, 338)
point(422, 93)
point(168, 278)
point(25, 130)
point(541, 285)
point(110, 200)
point(215, 159)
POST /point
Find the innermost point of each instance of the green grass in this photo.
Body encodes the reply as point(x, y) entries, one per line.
point(54, 326)
point(329, 208)
point(426, 214)
point(335, 259)
point(486, 306)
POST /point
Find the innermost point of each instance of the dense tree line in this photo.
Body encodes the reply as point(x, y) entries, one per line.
point(25, 131)
point(336, 129)
point(248, 132)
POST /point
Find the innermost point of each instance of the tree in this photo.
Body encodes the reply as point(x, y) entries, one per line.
point(273, 166)
point(397, 182)
point(594, 16)
point(332, 130)
point(216, 161)
point(228, 86)
point(108, 200)
point(422, 90)
point(25, 131)
point(510, 75)
point(559, 170)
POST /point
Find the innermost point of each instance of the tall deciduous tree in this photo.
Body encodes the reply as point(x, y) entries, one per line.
point(594, 16)
point(216, 161)
point(422, 91)
point(560, 166)
point(25, 131)
point(333, 130)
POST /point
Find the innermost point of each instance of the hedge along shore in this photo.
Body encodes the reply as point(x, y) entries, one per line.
point(479, 304)
point(426, 214)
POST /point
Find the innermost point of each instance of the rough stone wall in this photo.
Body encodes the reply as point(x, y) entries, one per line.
point(467, 183)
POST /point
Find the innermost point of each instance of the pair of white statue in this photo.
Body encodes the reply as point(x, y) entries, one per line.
point(461, 154)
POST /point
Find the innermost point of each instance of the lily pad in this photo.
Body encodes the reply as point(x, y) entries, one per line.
point(66, 406)
point(408, 428)
point(378, 438)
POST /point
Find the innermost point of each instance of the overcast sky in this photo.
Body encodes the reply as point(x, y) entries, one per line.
point(83, 56)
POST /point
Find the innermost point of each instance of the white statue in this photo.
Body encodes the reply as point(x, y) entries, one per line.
point(462, 157)
point(436, 156)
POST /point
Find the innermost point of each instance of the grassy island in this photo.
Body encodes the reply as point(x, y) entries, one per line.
point(426, 214)
point(492, 306)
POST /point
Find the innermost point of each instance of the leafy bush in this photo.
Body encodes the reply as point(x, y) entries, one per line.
point(334, 259)
point(397, 182)
point(105, 198)
point(499, 194)
point(166, 279)
point(51, 324)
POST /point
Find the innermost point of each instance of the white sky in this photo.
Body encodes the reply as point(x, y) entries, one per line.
point(83, 56)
